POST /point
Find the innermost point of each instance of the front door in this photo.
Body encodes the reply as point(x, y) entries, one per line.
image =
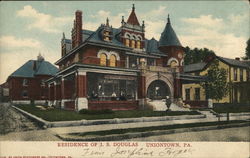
point(158, 90)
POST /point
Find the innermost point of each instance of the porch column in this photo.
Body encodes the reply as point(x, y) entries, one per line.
point(63, 92)
point(51, 94)
point(177, 86)
point(142, 91)
point(57, 92)
point(81, 91)
point(127, 61)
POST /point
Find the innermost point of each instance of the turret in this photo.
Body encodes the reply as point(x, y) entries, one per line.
point(170, 44)
point(132, 32)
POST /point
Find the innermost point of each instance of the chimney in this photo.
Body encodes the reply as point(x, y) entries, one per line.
point(237, 58)
point(77, 29)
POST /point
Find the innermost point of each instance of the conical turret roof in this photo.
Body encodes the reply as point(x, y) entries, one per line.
point(132, 19)
point(168, 36)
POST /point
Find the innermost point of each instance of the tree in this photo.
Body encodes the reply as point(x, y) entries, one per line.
point(247, 50)
point(196, 55)
point(216, 87)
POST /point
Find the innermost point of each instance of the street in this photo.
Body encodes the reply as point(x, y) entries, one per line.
point(228, 134)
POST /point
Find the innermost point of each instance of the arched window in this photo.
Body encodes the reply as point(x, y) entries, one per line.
point(103, 59)
point(112, 60)
point(25, 82)
point(173, 64)
point(138, 44)
point(127, 42)
point(133, 43)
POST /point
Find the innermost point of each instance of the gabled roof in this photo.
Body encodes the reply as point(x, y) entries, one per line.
point(233, 62)
point(132, 19)
point(168, 36)
point(194, 67)
point(42, 68)
point(202, 65)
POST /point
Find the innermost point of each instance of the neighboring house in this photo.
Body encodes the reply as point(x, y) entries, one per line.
point(4, 92)
point(27, 83)
point(238, 73)
point(116, 68)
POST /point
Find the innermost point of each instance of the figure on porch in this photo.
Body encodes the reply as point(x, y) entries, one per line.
point(168, 103)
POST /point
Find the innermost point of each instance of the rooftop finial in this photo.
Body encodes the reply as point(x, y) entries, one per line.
point(133, 8)
point(40, 57)
point(122, 20)
point(63, 35)
point(168, 19)
point(107, 22)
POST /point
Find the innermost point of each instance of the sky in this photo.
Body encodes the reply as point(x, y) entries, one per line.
point(30, 28)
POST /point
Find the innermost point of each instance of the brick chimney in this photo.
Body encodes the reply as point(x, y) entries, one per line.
point(77, 29)
point(237, 58)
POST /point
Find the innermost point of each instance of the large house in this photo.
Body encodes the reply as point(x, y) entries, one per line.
point(27, 84)
point(238, 74)
point(116, 68)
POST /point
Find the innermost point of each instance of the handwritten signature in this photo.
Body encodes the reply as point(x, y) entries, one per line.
point(139, 152)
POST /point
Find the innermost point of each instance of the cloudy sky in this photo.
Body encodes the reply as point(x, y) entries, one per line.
point(27, 28)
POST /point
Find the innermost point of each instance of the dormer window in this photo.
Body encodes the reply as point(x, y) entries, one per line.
point(25, 82)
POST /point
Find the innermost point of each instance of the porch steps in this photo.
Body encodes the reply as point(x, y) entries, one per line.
point(209, 113)
point(159, 105)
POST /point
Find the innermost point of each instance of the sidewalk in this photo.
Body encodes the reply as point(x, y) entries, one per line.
point(82, 129)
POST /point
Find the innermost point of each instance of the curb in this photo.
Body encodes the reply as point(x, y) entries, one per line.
point(118, 137)
point(48, 124)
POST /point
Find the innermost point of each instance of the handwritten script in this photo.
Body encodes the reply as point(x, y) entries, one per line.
point(138, 152)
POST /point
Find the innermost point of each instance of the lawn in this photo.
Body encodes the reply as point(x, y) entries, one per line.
point(231, 108)
point(165, 127)
point(65, 115)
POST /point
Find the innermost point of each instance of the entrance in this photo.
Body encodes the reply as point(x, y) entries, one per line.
point(158, 90)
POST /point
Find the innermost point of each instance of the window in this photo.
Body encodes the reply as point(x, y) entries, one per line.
point(187, 91)
point(103, 59)
point(25, 93)
point(197, 73)
point(151, 62)
point(42, 82)
point(111, 87)
point(197, 93)
point(112, 60)
point(241, 75)
point(138, 44)
point(132, 62)
point(25, 82)
point(106, 33)
point(235, 74)
point(133, 44)
point(127, 42)
point(106, 38)
point(173, 64)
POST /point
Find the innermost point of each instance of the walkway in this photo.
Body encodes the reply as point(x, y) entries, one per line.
point(82, 129)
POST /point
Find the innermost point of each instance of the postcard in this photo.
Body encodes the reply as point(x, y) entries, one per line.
point(124, 79)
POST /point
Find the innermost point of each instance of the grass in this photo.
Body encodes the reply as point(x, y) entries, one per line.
point(145, 129)
point(231, 108)
point(65, 115)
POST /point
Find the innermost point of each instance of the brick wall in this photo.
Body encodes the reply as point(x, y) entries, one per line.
point(35, 91)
